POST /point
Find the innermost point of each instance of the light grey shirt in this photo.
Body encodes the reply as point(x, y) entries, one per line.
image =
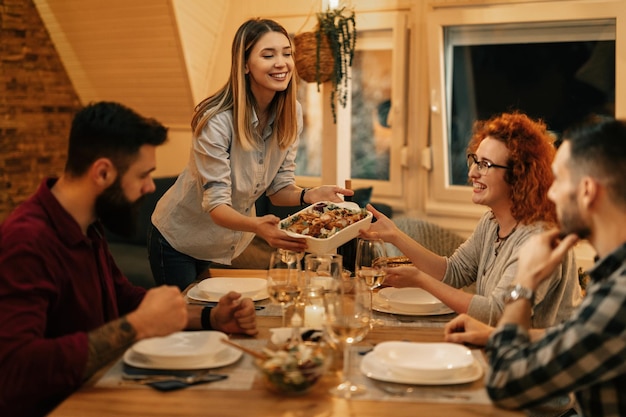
point(475, 261)
point(221, 172)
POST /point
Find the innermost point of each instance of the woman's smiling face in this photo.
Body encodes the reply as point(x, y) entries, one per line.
point(490, 189)
point(270, 65)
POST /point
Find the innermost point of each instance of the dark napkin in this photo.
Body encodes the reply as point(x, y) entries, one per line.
point(132, 372)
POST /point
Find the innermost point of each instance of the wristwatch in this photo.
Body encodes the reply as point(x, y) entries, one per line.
point(517, 291)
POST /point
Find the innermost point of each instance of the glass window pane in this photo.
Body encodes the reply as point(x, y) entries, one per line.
point(371, 125)
point(309, 157)
point(557, 81)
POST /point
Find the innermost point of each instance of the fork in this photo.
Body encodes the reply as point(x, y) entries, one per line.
point(400, 390)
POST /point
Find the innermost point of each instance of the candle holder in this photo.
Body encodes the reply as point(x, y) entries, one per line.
point(313, 307)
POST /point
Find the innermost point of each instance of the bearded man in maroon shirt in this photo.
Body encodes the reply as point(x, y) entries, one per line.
point(66, 310)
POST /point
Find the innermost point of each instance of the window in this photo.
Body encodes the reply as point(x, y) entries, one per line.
point(555, 71)
point(371, 104)
point(542, 59)
point(371, 127)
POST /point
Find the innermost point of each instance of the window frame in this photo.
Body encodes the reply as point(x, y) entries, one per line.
point(336, 137)
point(455, 200)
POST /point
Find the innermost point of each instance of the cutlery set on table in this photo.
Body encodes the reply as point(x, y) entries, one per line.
point(178, 360)
point(190, 357)
point(168, 380)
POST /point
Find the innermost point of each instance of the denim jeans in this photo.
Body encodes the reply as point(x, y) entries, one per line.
point(170, 266)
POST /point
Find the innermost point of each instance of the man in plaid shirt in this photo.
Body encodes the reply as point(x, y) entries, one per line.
point(586, 354)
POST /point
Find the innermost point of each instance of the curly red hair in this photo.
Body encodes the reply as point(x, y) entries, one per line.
point(531, 151)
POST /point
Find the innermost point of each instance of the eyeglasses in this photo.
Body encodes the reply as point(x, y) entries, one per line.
point(482, 166)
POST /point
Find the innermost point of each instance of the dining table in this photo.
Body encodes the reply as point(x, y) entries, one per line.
point(249, 395)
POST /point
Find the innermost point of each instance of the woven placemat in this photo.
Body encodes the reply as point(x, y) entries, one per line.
point(241, 374)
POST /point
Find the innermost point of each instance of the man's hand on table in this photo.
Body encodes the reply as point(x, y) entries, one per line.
point(234, 314)
point(467, 330)
point(162, 311)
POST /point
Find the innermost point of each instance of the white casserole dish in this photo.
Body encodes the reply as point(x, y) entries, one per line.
point(329, 244)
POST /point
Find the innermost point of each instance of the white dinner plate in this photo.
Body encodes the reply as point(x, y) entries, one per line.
point(412, 300)
point(380, 304)
point(375, 369)
point(425, 360)
point(195, 294)
point(181, 348)
point(223, 358)
point(220, 286)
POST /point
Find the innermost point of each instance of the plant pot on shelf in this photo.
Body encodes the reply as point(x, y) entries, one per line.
point(306, 57)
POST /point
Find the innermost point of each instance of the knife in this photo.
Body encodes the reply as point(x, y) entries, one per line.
point(189, 379)
point(214, 304)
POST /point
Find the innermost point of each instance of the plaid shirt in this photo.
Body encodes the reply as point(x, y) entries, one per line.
point(585, 355)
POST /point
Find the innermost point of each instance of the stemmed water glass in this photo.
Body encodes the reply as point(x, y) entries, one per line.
point(370, 264)
point(285, 279)
point(346, 322)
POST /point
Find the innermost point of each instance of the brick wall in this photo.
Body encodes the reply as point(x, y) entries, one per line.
point(37, 103)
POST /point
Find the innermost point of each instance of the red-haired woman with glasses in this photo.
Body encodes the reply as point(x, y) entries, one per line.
point(509, 159)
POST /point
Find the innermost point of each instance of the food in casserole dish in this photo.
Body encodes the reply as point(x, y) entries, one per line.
point(322, 220)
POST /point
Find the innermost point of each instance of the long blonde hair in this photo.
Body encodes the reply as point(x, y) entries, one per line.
point(237, 96)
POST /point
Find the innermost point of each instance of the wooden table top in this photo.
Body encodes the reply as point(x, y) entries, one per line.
point(258, 401)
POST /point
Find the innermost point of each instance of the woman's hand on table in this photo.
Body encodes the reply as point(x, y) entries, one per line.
point(234, 314)
point(467, 330)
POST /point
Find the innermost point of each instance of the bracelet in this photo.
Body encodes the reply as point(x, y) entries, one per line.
point(205, 318)
point(304, 190)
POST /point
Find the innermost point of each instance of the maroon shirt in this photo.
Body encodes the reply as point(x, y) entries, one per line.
point(56, 284)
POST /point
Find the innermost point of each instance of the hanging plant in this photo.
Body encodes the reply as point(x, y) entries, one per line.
point(334, 41)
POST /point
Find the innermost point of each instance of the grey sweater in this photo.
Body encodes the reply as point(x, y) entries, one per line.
point(475, 261)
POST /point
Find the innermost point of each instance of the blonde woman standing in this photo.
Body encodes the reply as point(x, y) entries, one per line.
point(244, 145)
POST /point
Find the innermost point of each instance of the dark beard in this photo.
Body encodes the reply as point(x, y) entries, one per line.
point(571, 221)
point(117, 213)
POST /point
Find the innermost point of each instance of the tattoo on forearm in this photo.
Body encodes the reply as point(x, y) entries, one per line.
point(107, 343)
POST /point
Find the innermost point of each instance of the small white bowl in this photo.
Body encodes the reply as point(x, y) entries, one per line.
point(411, 300)
point(434, 361)
point(218, 287)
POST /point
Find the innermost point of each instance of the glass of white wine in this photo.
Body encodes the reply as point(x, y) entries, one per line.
point(346, 322)
point(285, 279)
point(370, 264)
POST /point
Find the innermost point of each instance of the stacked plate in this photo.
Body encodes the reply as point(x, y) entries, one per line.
point(182, 350)
point(409, 301)
point(421, 363)
point(212, 289)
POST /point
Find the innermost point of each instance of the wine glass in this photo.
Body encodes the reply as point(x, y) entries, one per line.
point(370, 264)
point(284, 279)
point(323, 270)
point(347, 321)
